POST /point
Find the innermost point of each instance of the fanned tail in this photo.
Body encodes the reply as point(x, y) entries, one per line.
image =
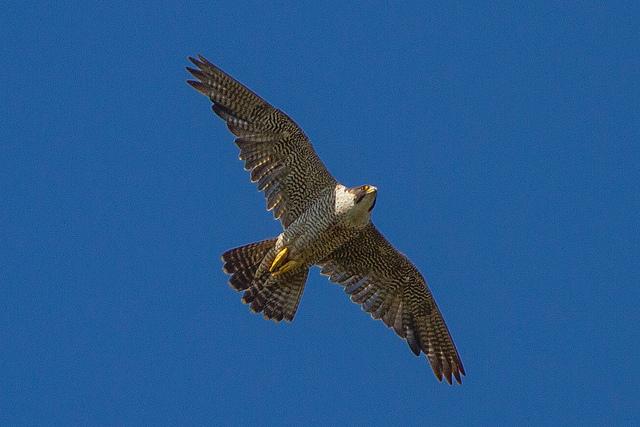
point(276, 297)
point(243, 262)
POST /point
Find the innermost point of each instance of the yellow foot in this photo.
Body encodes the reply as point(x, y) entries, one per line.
point(289, 265)
point(279, 260)
point(281, 264)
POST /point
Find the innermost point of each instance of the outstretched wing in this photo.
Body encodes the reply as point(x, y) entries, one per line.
point(390, 288)
point(281, 159)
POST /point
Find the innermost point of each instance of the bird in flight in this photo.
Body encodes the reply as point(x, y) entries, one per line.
point(324, 223)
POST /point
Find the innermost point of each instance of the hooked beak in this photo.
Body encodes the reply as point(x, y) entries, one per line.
point(370, 189)
point(363, 191)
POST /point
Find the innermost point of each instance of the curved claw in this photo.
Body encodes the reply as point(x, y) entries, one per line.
point(279, 260)
point(289, 265)
point(281, 263)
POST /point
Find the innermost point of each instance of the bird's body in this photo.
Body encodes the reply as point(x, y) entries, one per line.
point(332, 220)
point(324, 224)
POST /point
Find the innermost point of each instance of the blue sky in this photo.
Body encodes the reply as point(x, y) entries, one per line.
point(504, 143)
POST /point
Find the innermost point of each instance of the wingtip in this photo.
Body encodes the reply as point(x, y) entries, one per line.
point(447, 377)
point(196, 73)
point(448, 374)
point(203, 63)
point(195, 61)
point(199, 86)
point(461, 368)
point(456, 374)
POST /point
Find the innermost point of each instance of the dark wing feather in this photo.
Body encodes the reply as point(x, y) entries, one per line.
point(389, 287)
point(278, 154)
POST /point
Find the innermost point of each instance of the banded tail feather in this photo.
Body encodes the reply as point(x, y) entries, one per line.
point(276, 297)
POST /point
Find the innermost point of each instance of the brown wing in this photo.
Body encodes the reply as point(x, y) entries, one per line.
point(389, 287)
point(281, 159)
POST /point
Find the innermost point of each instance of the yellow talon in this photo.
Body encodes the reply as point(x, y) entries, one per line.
point(289, 265)
point(279, 259)
point(281, 264)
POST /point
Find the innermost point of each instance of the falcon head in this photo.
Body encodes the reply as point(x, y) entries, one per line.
point(355, 203)
point(364, 197)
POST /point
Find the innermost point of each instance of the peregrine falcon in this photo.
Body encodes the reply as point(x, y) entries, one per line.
point(324, 223)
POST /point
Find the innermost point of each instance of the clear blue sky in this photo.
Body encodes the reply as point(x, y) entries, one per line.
point(504, 143)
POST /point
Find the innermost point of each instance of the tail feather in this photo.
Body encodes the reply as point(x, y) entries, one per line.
point(276, 297)
point(243, 262)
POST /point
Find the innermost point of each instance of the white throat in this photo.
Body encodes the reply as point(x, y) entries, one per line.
point(355, 215)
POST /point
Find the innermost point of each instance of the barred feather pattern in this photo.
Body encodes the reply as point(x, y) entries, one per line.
point(278, 154)
point(389, 287)
point(277, 298)
point(241, 263)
